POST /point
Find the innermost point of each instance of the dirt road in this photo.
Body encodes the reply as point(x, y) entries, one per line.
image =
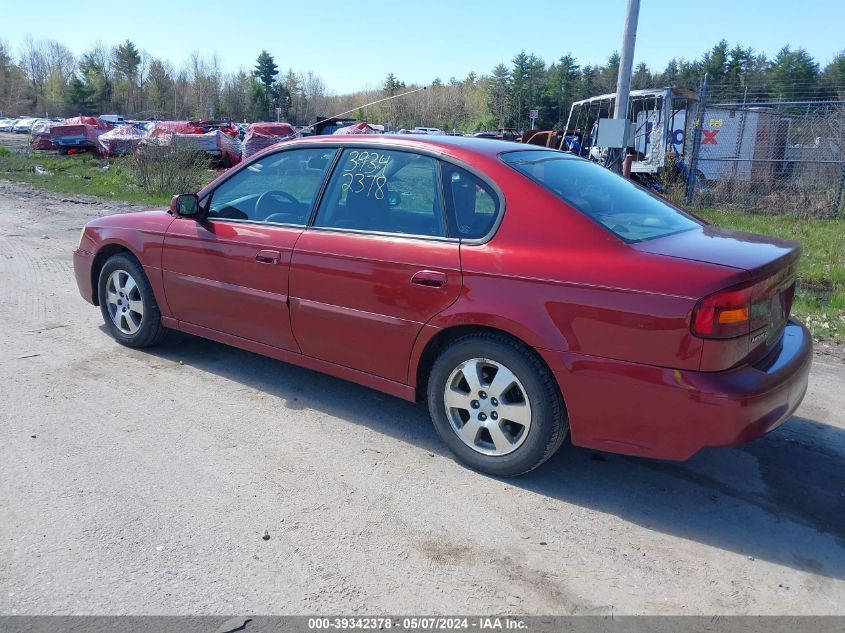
point(143, 482)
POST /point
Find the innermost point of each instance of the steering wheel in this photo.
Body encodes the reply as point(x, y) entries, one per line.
point(272, 194)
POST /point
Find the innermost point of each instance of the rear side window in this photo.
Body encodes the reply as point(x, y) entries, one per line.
point(383, 191)
point(471, 204)
point(619, 205)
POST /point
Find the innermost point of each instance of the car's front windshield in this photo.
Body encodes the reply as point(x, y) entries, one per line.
point(616, 203)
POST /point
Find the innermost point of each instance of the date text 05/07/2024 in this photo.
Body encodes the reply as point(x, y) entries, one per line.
point(485, 623)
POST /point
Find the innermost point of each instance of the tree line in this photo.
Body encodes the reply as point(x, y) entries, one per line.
point(48, 79)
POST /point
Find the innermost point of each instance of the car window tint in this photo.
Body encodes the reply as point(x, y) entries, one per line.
point(385, 191)
point(471, 204)
point(278, 188)
point(615, 202)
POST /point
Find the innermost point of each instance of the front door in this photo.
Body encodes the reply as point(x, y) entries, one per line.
point(229, 273)
point(376, 264)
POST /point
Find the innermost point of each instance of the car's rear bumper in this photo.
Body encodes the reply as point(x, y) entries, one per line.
point(82, 262)
point(671, 414)
point(72, 141)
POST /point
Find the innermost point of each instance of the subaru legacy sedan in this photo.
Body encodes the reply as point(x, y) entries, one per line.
point(527, 295)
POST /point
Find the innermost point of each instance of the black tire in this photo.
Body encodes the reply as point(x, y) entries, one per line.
point(149, 331)
point(549, 424)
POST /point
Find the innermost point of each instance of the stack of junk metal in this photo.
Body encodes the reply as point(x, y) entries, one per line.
point(124, 139)
point(260, 136)
point(39, 136)
point(358, 128)
point(78, 134)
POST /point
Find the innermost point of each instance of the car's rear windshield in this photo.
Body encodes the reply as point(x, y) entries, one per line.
point(616, 203)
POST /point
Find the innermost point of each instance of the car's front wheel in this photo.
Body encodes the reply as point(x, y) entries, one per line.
point(496, 405)
point(129, 308)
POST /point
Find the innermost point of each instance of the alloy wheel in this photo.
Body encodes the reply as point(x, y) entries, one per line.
point(124, 302)
point(487, 406)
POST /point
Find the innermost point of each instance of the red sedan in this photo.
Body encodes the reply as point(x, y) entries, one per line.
point(525, 293)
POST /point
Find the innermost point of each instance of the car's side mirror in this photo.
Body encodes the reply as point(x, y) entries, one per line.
point(185, 205)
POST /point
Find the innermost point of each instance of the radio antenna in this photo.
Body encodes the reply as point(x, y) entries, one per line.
point(372, 103)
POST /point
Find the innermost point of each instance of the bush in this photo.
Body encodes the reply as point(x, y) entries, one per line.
point(162, 170)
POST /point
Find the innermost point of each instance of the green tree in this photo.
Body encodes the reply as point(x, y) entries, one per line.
point(256, 100)
point(392, 109)
point(281, 98)
point(642, 77)
point(689, 74)
point(562, 87)
point(265, 71)
point(526, 83)
point(587, 85)
point(608, 74)
point(793, 74)
point(125, 61)
point(13, 83)
point(736, 72)
point(833, 77)
point(715, 62)
point(79, 97)
point(392, 85)
point(670, 74)
point(499, 95)
point(94, 73)
point(159, 89)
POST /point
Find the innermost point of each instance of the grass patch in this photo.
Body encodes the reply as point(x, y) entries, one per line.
point(83, 174)
point(820, 295)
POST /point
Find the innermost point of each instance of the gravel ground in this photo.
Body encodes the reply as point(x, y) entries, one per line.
point(14, 141)
point(144, 482)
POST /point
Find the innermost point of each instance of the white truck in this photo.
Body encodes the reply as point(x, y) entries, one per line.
point(741, 143)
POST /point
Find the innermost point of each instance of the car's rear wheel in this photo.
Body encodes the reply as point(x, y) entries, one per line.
point(495, 405)
point(129, 308)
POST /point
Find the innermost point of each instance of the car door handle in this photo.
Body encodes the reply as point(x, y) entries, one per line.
point(429, 278)
point(268, 257)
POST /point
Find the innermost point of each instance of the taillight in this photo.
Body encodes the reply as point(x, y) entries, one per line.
point(744, 309)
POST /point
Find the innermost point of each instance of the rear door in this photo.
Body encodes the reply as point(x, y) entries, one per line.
point(376, 264)
point(229, 273)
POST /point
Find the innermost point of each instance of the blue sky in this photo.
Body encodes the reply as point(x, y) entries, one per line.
point(355, 44)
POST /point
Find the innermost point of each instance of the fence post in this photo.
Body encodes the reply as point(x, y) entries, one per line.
point(696, 141)
point(838, 205)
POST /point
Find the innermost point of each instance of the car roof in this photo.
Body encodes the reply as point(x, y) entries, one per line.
point(451, 144)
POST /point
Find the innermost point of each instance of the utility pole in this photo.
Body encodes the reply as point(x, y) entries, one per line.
point(626, 67)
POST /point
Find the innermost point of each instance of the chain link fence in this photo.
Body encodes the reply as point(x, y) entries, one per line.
point(772, 157)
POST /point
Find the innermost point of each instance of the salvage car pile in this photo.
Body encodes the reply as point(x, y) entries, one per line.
point(219, 139)
point(260, 136)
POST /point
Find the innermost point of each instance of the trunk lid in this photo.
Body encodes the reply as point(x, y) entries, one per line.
point(771, 264)
point(760, 255)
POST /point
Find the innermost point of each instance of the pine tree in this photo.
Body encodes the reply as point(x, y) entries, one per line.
point(392, 85)
point(642, 77)
point(833, 77)
point(265, 71)
point(563, 87)
point(499, 97)
point(793, 74)
point(715, 62)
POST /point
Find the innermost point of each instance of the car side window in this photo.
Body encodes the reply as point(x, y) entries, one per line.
point(383, 191)
point(471, 204)
point(278, 188)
